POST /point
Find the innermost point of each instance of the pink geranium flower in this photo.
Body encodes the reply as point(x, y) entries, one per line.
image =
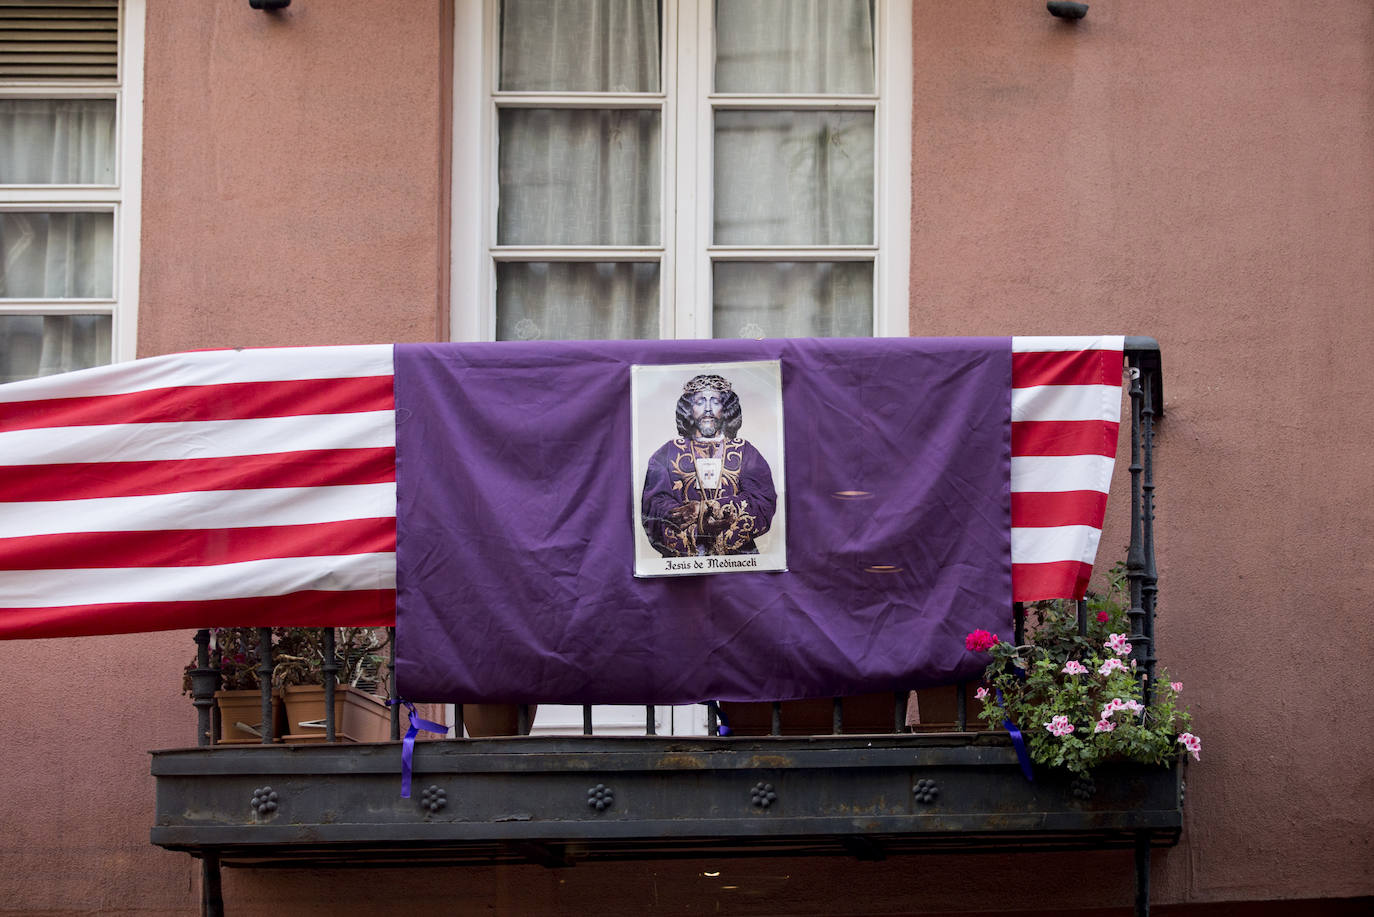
point(1104, 726)
point(1059, 726)
point(1192, 743)
point(1177, 686)
point(980, 641)
point(1118, 644)
point(1073, 667)
point(981, 694)
point(1110, 666)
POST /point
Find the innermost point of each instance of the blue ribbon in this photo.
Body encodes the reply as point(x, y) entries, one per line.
point(1017, 741)
point(408, 743)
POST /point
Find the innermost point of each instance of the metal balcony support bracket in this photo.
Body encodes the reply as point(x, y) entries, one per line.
point(1142, 874)
point(211, 893)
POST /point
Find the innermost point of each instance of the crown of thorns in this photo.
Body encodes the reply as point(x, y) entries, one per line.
point(701, 383)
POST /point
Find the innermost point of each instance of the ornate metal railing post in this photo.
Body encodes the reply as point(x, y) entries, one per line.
point(330, 668)
point(1135, 553)
point(1149, 584)
point(1146, 395)
point(205, 681)
point(265, 667)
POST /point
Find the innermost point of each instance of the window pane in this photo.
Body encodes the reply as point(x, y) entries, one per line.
point(792, 299)
point(580, 45)
point(567, 301)
point(578, 177)
point(57, 141)
point(38, 345)
point(56, 255)
point(794, 178)
point(794, 46)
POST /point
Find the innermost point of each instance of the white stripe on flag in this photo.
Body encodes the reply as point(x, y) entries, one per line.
point(211, 509)
point(214, 367)
point(276, 576)
point(1066, 402)
point(1031, 344)
point(197, 439)
point(1047, 545)
point(1059, 473)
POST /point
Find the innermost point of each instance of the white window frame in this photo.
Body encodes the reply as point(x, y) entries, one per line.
point(123, 198)
point(684, 254)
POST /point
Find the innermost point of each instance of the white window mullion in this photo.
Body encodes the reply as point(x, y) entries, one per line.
point(892, 270)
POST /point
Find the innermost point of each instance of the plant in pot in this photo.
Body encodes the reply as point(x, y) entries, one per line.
point(239, 697)
point(298, 671)
point(1076, 696)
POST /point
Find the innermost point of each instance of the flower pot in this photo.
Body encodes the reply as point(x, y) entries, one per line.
point(486, 720)
point(864, 713)
point(240, 717)
point(358, 716)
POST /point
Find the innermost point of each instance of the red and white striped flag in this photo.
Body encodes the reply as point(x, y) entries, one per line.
point(1065, 412)
point(258, 487)
point(253, 487)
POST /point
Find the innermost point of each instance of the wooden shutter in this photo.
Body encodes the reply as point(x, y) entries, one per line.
point(59, 40)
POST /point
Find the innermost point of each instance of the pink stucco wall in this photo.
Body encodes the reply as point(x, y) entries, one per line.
point(1199, 172)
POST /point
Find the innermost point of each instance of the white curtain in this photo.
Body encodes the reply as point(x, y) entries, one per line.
point(53, 254)
point(793, 299)
point(580, 45)
point(576, 300)
point(775, 47)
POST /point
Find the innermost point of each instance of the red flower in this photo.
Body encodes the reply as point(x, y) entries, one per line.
point(1102, 617)
point(980, 641)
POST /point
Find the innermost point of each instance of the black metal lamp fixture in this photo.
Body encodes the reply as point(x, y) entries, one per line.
point(269, 6)
point(1063, 9)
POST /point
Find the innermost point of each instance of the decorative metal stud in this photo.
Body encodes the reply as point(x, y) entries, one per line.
point(600, 797)
point(926, 790)
point(264, 801)
point(1182, 788)
point(763, 795)
point(433, 798)
point(1083, 788)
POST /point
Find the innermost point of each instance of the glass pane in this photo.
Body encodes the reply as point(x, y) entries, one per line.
point(576, 301)
point(794, 178)
point(39, 345)
point(57, 141)
point(56, 255)
point(792, 299)
point(580, 45)
point(578, 177)
point(794, 46)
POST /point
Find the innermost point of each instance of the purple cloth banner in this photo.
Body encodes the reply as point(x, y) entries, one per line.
point(516, 526)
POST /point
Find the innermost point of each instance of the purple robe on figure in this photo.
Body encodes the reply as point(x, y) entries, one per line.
point(743, 504)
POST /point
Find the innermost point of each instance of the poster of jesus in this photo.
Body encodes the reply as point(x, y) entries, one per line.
point(709, 482)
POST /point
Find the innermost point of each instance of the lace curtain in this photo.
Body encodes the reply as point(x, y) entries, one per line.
point(571, 176)
point(52, 254)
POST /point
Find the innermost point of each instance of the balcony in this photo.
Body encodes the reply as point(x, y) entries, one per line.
point(556, 800)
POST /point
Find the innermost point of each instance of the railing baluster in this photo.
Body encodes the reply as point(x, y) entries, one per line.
point(1018, 617)
point(204, 683)
point(899, 711)
point(961, 707)
point(775, 719)
point(837, 716)
point(522, 719)
point(265, 683)
point(330, 669)
point(391, 689)
point(712, 721)
point(650, 727)
point(1082, 618)
point(586, 719)
point(458, 727)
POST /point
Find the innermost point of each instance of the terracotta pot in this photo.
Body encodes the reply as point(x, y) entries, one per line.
point(358, 716)
point(245, 707)
point(485, 720)
point(865, 713)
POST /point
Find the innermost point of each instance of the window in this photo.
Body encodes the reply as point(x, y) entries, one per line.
point(70, 111)
point(700, 168)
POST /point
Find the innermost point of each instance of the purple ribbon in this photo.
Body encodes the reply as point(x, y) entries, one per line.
point(1017, 741)
point(408, 743)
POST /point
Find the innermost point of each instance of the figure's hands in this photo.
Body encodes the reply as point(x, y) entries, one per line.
point(716, 518)
point(685, 514)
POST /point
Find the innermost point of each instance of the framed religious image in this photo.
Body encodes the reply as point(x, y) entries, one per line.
point(707, 463)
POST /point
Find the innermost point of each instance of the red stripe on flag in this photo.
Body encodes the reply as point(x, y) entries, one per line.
point(314, 608)
point(1058, 579)
point(1069, 507)
point(227, 401)
point(197, 547)
point(1064, 437)
point(89, 480)
point(1066, 367)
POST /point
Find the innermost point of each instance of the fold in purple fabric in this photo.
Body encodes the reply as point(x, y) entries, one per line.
point(516, 526)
